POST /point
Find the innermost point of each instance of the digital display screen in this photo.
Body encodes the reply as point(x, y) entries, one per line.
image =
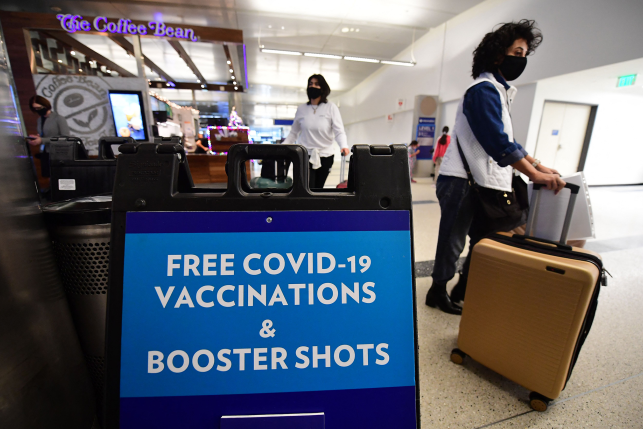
point(154, 104)
point(127, 111)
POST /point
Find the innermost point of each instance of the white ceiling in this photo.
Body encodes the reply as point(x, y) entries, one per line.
point(385, 27)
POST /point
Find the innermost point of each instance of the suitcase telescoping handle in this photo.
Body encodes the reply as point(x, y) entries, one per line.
point(533, 210)
point(342, 168)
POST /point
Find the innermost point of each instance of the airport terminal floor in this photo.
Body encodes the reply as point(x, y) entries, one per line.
point(606, 387)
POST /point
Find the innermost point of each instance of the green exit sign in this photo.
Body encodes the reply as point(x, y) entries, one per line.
point(626, 80)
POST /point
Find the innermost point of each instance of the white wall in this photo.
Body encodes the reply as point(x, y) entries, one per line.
point(578, 34)
point(616, 146)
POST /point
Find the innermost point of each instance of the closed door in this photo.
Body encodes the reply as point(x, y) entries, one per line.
point(562, 135)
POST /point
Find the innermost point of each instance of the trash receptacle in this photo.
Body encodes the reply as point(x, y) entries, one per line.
point(80, 233)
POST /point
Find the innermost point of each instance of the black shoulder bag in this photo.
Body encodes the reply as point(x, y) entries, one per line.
point(499, 206)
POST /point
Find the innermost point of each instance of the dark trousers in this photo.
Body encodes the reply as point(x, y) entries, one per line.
point(317, 178)
point(456, 208)
point(461, 215)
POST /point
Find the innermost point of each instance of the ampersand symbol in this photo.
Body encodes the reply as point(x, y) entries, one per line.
point(266, 331)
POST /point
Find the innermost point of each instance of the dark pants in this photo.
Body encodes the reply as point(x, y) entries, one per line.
point(317, 178)
point(456, 208)
point(461, 215)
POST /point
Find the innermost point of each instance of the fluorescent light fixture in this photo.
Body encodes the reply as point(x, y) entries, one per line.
point(279, 51)
point(312, 54)
point(398, 63)
point(363, 60)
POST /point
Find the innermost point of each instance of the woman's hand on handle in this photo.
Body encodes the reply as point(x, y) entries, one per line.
point(345, 151)
point(551, 181)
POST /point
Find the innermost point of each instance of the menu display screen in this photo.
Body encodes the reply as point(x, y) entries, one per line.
point(128, 114)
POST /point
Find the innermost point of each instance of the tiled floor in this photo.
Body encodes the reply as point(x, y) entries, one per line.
point(606, 388)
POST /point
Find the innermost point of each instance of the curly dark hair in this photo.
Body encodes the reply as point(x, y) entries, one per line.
point(491, 50)
point(325, 89)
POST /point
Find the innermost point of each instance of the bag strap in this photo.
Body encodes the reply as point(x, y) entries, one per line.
point(472, 182)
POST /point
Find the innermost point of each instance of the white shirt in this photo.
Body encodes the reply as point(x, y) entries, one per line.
point(315, 127)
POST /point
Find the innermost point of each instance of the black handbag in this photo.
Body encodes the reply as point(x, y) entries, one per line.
point(499, 206)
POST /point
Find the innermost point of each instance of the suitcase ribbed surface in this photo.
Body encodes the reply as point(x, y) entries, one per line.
point(521, 319)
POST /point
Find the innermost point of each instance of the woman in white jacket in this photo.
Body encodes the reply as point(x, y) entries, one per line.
point(317, 123)
point(484, 132)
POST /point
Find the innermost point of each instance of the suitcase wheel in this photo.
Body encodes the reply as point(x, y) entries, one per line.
point(457, 356)
point(538, 402)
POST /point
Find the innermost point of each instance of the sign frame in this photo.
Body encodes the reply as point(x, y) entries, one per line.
point(156, 178)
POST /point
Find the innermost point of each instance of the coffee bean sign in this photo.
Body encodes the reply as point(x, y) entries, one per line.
point(84, 102)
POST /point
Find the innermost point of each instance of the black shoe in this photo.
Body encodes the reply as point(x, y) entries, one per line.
point(458, 291)
point(438, 297)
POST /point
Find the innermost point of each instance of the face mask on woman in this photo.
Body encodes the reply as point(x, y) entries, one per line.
point(42, 111)
point(512, 67)
point(313, 92)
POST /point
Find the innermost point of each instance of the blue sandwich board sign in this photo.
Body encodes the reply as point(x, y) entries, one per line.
point(276, 318)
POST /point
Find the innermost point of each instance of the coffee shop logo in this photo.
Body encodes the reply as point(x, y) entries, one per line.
point(74, 23)
point(83, 102)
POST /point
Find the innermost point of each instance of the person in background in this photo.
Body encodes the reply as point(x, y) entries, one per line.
point(440, 149)
point(202, 144)
point(413, 153)
point(484, 132)
point(50, 124)
point(316, 124)
point(235, 119)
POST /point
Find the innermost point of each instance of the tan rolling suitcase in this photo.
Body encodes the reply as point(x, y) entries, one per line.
point(529, 305)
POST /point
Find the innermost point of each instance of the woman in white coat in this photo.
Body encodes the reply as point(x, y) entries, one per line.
point(317, 123)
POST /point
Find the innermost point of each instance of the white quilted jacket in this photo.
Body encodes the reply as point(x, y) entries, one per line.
point(486, 172)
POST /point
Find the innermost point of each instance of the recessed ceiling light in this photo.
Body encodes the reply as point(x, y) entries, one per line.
point(278, 51)
point(352, 29)
point(357, 30)
point(363, 60)
point(60, 61)
point(202, 86)
point(73, 52)
point(231, 71)
point(235, 88)
point(233, 77)
point(80, 70)
point(345, 30)
point(313, 54)
point(283, 28)
point(270, 26)
point(235, 82)
point(229, 62)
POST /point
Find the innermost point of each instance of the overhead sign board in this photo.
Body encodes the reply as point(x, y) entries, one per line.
point(225, 311)
point(73, 23)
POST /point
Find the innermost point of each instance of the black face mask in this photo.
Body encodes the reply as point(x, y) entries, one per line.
point(313, 92)
point(512, 67)
point(42, 111)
